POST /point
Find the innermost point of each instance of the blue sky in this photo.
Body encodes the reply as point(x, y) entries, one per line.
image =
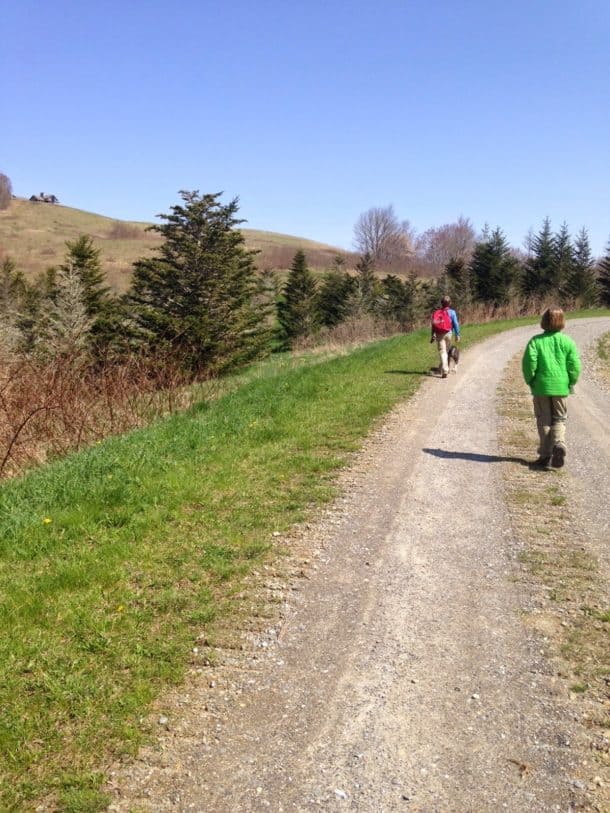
point(312, 113)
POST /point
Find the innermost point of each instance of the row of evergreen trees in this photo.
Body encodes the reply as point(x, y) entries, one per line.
point(555, 267)
point(202, 299)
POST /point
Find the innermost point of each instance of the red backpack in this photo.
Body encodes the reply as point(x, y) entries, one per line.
point(441, 321)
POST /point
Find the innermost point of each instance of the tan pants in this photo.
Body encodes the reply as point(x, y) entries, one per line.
point(444, 343)
point(551, 412)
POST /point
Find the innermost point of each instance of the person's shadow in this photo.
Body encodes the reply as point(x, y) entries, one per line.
point(475, 457)
point(406, 372)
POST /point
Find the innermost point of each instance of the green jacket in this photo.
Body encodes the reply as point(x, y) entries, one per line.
point(551, 364)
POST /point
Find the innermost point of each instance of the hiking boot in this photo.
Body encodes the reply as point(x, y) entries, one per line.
point(559, 456)
point(541, 463)
point(444, 375)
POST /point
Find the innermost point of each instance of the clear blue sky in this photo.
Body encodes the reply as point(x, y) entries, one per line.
point(313, 112)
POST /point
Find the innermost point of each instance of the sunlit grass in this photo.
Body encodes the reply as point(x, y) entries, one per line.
point(114, 559)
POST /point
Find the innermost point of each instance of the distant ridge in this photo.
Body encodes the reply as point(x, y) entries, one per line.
point(34, 235)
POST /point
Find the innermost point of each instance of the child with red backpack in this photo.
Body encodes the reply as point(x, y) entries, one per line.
point(444, 324)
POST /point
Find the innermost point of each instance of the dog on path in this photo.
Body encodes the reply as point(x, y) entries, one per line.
point(453, 355)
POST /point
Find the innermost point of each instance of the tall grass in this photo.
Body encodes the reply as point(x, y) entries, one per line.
point(113, 559)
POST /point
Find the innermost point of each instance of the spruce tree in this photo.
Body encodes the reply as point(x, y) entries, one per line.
point(494, 270)
point(564, 261)
point(12, 297)
point(366, 282)
point(335, 297)
point(104, 313)
point(398, 303)
point(200, 296)
point(458, 280)
point(580, 286)
point(83, 259)
point(539, 277)
point(603, 280)
point(65, 324)
point(297, 309)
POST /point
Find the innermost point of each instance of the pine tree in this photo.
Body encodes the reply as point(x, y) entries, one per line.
point(200, 296)
point(564, 260)
point(459, 282)
point(102, 309)
point(580, 286)
point(83, 259)
point(364, 294)
point(603, 280)
point(398, 303)
point(366, 281)
point(66, 324)
point(494, 270)
point(335, 302)
point(298, 308)
point(12, 296)
point(540, 271)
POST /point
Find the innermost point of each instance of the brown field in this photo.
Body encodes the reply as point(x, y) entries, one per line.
point(34, 235)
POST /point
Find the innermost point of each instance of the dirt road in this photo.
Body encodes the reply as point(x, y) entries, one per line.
point(402, 677)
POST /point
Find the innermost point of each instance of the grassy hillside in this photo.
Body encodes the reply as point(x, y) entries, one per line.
point(34, 235)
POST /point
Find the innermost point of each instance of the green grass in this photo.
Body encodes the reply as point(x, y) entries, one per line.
point(114, 559)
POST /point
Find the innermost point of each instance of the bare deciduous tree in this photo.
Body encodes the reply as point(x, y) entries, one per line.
point(379, 233)
point(6, 191)
point(452, 241)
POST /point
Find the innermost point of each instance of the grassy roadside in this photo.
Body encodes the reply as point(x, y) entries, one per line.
point(574, 618)
point(114, 559)
point(603, 355)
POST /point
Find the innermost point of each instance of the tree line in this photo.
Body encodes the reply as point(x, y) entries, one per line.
point(202, 299)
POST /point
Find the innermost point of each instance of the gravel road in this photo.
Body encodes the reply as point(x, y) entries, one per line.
point(402, 677)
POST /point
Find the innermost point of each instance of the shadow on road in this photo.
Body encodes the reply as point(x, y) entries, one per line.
point(405, 372)
point(477, 458)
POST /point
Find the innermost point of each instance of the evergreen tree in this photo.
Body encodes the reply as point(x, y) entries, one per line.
point(198, 296)
point(105, 315)
point(604, 279)
point(398, 303)
point(581, 285)
point(493, 269)
point(366, 282)
point(65, 324)
point(83, 260)
point(298, 306)
point(335, 297)
point(540, 271)
point(458, 281)
point(12, 296)
point(564, 260)
point(427, 297)
point(364, 296)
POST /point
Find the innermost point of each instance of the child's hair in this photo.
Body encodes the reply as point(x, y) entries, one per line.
point(553, 318)
point(445, 302)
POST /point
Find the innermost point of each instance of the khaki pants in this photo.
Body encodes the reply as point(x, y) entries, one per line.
point(444, 343)
point(551, 412)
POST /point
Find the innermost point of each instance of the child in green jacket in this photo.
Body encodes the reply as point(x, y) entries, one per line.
point(551, 367)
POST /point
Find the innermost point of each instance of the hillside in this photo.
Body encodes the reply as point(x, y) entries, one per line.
point(34, 235)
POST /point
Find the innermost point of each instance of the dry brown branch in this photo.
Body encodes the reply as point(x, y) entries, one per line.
point(50, 407)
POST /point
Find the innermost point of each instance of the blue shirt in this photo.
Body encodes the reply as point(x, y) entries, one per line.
point(454, 321)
